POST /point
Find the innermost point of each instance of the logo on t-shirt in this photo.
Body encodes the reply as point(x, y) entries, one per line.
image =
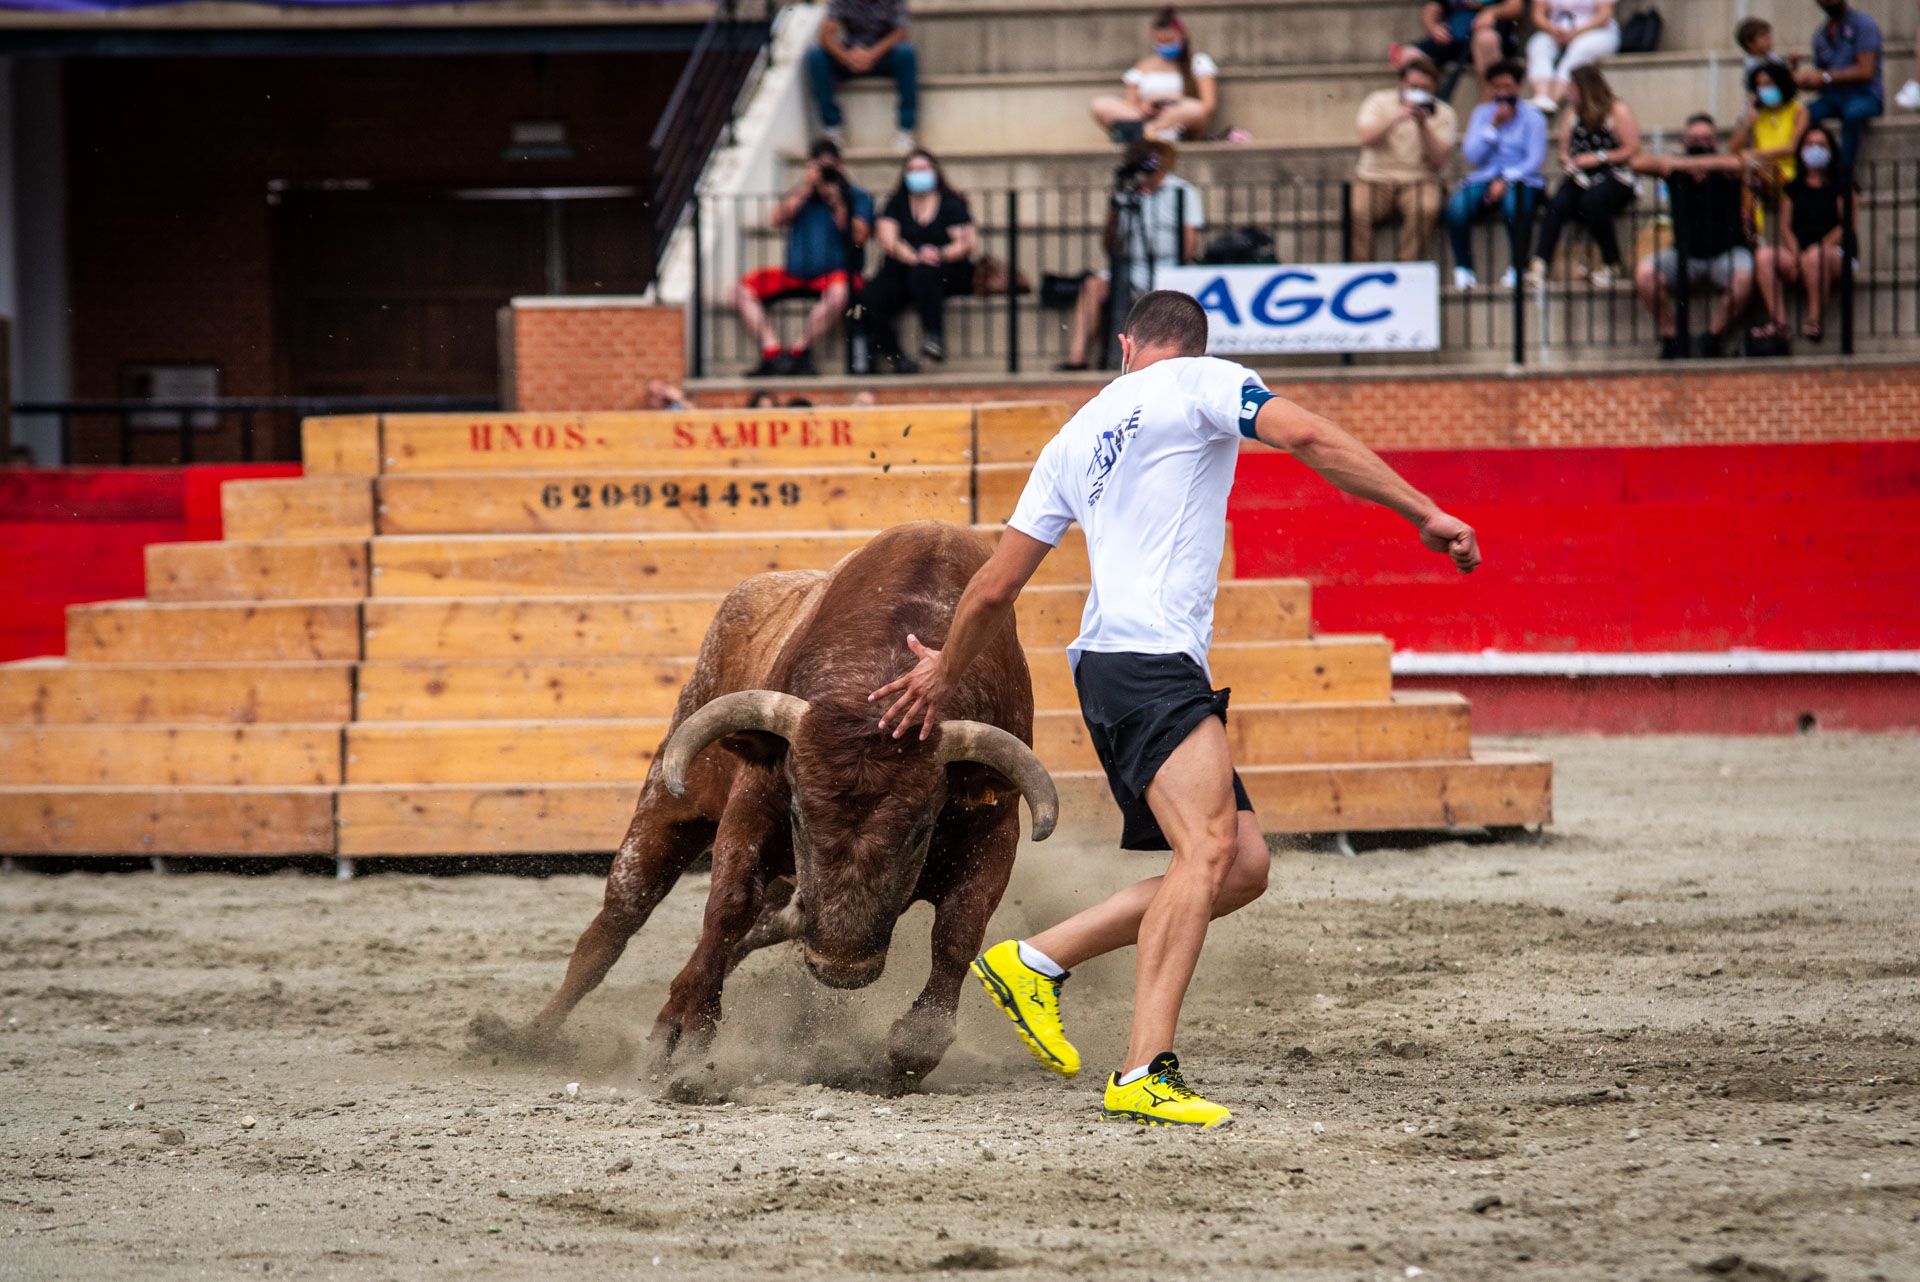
point(1107, 451)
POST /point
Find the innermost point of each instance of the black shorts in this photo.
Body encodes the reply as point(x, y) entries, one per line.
point(1138, 709)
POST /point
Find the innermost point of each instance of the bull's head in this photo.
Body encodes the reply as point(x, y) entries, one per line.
point(863, 813)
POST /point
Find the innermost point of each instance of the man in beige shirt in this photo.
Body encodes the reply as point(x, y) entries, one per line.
point(1405, 136)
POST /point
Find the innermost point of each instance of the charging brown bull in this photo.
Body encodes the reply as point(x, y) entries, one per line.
point(823, 827)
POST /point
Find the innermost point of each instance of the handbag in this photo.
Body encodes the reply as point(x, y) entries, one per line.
point(990, 277)
point(1057, 292)
point(1641, 33)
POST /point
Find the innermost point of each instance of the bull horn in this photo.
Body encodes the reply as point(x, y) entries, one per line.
point(995, 748)
point(768, 711)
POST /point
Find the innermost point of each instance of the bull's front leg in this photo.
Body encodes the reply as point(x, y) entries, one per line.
point(733, 906)
point(921, 1036)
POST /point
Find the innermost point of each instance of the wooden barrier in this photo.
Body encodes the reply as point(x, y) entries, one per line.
point(547, 819)
point(313, 507)
point(167, 821)
point(1418, 727)
point(535, 689)
point(300, 570)
point(42, 693)
point(690, 500)
point(1016, 433)
point(343, 445)
point(242, 632)
point(1324, 669)
point(182, 756)
point(903, 436)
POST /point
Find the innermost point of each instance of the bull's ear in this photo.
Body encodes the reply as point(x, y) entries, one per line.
point(977, 787)
point(755, 747)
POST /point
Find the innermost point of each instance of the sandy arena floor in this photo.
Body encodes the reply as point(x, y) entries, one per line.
point(1679, 1031)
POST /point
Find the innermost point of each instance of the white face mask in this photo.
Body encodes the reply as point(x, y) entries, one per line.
point(1817, 157)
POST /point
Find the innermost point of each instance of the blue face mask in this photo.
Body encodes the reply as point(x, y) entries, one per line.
point(1817, 157)
point(1770, 96)
point(921, 181)
point(1170, 52)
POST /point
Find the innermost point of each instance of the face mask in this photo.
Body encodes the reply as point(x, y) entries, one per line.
point(1416, 97)
point(1817, 157)
point(1170, 52)
point(921, 181)
point(1770, 96)
point(1699, 149)
point(1507, 99)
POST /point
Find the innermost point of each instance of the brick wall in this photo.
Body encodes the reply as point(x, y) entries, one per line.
point(592, 354)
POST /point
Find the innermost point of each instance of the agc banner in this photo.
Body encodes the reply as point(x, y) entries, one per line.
point(1315, 307)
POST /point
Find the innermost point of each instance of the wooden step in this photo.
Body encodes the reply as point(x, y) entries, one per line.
point(170, 755)
point(311, 507)
point(39, 692)
point(167, 821)
point(1323, 669)
point(643, 626)
point(289, 570)
point(582, 818)
point(341, 445)
point(268, 631)
point(1411, 727)
point(683, 501)
point(905, 436)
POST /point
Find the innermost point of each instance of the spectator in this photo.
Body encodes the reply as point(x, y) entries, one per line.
point(865, 38)
point(1569, 34)
point(1405, 137)
point(1908, 99)
point(864, 400)
point(1755, 38)
point(1709, 238)
point(1154, 220)
point(1170, 94)
point(1505, 147)
point(1846, 72)
point(1598, 144)
point(1770, 131)
point(1484, 31)
point(762, 399)
point(1816, 209)
point(927, 241)
point(799, 402)
point(662, 395)
point(827, 219)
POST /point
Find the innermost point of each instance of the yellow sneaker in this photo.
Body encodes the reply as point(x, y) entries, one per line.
point(1161, 1098)
point(1032, 1002)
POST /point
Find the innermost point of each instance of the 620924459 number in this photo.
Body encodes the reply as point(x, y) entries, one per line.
point(610, 494)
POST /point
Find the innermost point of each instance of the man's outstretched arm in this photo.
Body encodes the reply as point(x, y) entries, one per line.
point(1337, 455)
point(983, 610)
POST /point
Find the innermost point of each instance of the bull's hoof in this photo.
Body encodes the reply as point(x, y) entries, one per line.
point(488, 1034)
point(917, 1044)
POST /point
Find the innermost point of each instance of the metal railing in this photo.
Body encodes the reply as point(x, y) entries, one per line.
point(193, 426)
point(1574, 310)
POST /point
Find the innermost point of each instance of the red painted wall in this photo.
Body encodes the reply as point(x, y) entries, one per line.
point(78, 534)
point(1779, 547)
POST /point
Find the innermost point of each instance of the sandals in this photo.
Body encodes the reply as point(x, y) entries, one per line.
point(1813, 331)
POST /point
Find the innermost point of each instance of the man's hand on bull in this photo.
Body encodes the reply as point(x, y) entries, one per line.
point(921, 692)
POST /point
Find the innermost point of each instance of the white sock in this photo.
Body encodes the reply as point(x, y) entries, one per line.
point(1033, 959)
point(1133, 1075)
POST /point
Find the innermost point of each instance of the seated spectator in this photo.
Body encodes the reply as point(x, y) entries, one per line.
point(927, 242)
point(1598, 144)
point(1816, 209)
point(1483, 31)
point(1846, 73)
point(1568, 35)
point(1769, 132)
point(1709, 238)
point(1908, 99)
point(1505, 146)
point(1170, 94)
point(865, 38)
point(1406, 135)
point(827, 219)
point(1755, 38)
point(762, 399)
point(662, 395)
point(1155, 223)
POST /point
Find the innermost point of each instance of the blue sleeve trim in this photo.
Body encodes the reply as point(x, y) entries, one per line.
point(1251, 399)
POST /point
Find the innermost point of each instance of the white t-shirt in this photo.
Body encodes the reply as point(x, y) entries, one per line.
point(1164, 86)
point(1154, 236)
point(1145, 468)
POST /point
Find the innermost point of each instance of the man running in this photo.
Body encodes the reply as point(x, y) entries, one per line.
point(1145, 469)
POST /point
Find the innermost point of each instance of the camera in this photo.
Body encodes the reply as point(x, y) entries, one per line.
point(1132, 172)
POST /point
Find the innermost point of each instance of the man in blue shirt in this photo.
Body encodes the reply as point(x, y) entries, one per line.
point(1505, 147)
point(1846, 73)
point(827, 220)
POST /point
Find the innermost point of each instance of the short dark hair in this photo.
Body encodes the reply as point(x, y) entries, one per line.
point(823, 147)
point(1422, 64)
point(1512, 68)
point(1702, 118)
point(1750, 30)
point(1169, 318)
point(1779, 74)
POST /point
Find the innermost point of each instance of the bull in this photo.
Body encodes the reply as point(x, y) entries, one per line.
point(823, 827)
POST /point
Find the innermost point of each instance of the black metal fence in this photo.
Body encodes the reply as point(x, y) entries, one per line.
point(1567, 309)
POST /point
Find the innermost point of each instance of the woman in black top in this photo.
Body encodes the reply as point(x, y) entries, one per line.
point(1597, 147)
point(1808, 234)
point(927, 241)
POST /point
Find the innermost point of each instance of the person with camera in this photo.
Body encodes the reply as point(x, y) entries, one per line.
point(1153, 220)
point(927, 241)
point(1406, 135)
point(827, 220)
point(1505, 146)
point(1597, 145)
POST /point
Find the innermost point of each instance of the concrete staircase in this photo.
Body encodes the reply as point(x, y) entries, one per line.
point(464, 635)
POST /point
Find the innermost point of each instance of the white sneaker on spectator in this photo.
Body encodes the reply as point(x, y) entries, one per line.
point(1536, 274)
point(1909, 96)
point(1509, 278)
point(903, 141)
point(1602, 278)
point(836, 134)
point(1463, 278)
point(1545, 103)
